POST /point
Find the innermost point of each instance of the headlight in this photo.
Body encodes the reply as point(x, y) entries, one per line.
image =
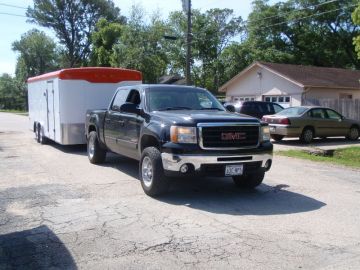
point(183, 134)
point(265, 133)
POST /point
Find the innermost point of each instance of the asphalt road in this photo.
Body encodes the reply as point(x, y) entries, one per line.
point(58, 211)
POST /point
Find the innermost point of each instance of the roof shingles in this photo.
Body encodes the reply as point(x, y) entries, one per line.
point(311, 76)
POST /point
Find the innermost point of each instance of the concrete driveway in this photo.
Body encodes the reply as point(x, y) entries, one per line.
point(58, 211)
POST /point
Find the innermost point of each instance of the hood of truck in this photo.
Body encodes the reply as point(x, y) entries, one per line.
point(187, 117)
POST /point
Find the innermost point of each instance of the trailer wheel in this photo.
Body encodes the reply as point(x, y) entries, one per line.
point(40, 138)
point(96, 154)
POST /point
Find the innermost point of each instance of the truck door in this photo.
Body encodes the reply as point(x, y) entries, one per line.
point(114, 123)
point(50, 102)
point(132, 125)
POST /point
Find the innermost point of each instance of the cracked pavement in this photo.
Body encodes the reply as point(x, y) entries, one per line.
point(58, 211)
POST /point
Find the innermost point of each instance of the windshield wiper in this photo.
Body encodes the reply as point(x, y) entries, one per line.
point(174, 108)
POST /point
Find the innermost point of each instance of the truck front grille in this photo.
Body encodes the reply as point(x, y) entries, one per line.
point(228, 136)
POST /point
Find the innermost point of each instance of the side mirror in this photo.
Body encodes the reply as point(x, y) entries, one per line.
point(230, 108)
point(130, 108)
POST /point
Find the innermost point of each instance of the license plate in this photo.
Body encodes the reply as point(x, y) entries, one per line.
point(231, 170)
point(272, 129)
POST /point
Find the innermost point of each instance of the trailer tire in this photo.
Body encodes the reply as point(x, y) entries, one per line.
point(40, 138)
point(96, 154)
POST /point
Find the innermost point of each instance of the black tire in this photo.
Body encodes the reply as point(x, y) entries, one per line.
point(276, 137)
point(249, 181)
point(151, 171)
point(96, 154)
point(40, 138)
point(307, 135)
point(353, 134)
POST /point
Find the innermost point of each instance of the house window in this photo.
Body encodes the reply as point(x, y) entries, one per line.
point(245, 98)
point(278, 99)
point(345, 96)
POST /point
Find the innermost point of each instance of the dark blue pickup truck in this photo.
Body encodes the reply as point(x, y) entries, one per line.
point(179, 131)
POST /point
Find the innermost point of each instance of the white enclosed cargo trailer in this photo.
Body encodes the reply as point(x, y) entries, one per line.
point(58, 101)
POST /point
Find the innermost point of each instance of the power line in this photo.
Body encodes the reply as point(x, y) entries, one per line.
point(285, 13)
point(13, 6)
point(314, 15)
point(12, 14)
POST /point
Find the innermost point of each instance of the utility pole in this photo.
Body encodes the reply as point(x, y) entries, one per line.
point(187, 8)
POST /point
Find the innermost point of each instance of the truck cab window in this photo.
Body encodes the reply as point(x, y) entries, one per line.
point(134, 97)
point(119, 99)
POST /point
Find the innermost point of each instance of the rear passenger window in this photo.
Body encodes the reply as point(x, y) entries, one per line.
point(318, 113)
point(119, 99)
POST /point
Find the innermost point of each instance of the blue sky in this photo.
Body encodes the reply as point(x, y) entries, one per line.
point(12, 27)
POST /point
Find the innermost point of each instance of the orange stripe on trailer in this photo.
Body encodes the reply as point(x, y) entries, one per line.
point(92, 74)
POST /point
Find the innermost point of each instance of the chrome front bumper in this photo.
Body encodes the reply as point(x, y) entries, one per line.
point(173, 162)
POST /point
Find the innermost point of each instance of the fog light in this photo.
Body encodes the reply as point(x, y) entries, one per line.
point(184, 168)
point(268, 164)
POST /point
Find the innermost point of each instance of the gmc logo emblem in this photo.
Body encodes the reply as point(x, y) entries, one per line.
point(232, 136)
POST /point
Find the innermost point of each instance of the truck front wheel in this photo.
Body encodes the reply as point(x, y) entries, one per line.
point(96, 154)
point(153, 180)
point(250, 180)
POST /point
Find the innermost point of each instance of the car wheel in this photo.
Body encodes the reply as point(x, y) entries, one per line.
point(307, 135)
point(353, 134)
point(40, 138)
point(96, 154)
point(277, 138)
point(249, 181)
point(153, 180)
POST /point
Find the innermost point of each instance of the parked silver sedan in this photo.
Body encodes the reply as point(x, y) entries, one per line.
point(309, 122)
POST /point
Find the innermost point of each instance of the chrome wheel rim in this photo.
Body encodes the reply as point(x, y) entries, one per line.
point(147, 171)
point(308, 136)
point(91, 147)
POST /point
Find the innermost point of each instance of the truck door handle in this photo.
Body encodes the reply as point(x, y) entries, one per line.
point(107, 120)
point(121, 122)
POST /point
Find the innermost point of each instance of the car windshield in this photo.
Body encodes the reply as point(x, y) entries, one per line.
point(181, 98)
point(293, 111)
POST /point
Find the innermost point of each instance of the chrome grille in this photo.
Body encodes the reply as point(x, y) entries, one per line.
point(228, 135)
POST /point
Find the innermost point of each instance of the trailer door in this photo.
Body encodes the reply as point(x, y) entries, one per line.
point(50, 109)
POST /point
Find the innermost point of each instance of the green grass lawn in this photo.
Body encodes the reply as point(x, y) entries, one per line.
point(346, 156)
point(16, 111)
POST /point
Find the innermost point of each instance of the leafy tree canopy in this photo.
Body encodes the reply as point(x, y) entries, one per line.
point(73, 21)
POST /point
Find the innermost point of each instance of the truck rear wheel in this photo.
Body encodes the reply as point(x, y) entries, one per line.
point(96, 154)
point(153, 180)
point(250, 180)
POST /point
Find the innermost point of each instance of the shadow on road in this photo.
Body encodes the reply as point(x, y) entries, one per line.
point(221, 196)
point(78, 149)
point(37, 248)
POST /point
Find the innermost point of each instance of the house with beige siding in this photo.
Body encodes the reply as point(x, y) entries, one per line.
point(290, 85)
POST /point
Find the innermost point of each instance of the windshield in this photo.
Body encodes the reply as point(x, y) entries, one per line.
point(163, 98)
point(293, 111)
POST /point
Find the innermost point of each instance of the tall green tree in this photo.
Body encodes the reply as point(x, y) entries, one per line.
point(213, 31)
point(311, 32)
point(73, 21)
point(140, 46)
point(356, 20)
point(37, 54)
point(12, 93)
point(105, 36)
